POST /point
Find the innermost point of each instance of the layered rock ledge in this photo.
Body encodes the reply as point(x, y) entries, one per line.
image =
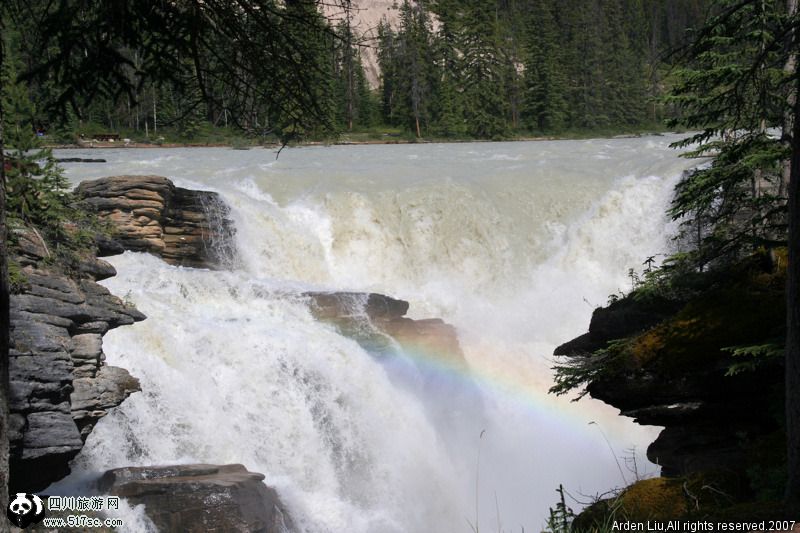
point(200, 498)
point(59, 384)
point(182, 226)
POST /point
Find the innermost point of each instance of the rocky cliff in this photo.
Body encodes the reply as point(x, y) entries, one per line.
point(59, 384)
point(670, 362)
point(365, 16)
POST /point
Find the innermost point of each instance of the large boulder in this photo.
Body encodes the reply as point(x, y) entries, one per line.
point(622, 318)
point(182, 226)
point(201, 498)
point(377, 321)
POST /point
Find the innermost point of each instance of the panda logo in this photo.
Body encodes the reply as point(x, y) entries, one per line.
point(25, 509)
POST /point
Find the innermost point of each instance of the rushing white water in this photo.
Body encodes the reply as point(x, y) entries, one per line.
point(513, 243)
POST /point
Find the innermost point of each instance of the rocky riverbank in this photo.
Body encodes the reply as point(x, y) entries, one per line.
point(59, 384)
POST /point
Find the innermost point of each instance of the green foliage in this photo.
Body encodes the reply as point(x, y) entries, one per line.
point(261, 65)
point(486, 69)
point(410, 78)
point(17, 280)
point(38, 195)
point(561, 517)
point(545, 98)
point(35, 187)
point(575, 372)
point(732, 90)
point(752, 357)
point(353, 103)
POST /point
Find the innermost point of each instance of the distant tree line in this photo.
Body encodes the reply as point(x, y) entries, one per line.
point(466, 68)
point(490, 68)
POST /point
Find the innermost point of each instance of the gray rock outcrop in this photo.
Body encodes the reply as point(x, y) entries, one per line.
point(183, 227)
point(201, 498)
point(59, 386)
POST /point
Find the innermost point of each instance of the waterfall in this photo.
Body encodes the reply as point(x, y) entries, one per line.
point(512, 243)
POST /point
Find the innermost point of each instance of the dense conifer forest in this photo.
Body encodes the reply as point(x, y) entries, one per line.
point(469, 69)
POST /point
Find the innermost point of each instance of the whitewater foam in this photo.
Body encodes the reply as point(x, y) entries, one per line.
point(234, 368)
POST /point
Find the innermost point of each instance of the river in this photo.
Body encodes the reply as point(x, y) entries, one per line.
point(513, 243)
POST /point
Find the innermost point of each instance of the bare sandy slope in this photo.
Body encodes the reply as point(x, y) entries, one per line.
point(365, 17)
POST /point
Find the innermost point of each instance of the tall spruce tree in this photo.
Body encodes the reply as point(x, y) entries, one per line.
point(387, 59)
point(482, 70)
point(545, 102)
point(584, 21)
point(416, 79)
point(345, 63)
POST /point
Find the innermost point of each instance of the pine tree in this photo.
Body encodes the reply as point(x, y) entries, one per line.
point(387, 59)
point(449, 111)
point(623, 97)
point(545, 80)
point(416, 76)
point(34, 184)
point(482, 71)
point(732, 90)
point(583, 20)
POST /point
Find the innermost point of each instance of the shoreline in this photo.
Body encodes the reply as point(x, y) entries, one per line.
point(91, 145)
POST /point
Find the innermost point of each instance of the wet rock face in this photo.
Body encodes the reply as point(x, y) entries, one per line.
point(201, 498)
point(374, 320)
point(674, 370)
point(151, 214)
point(59, 386)
point(621, 319)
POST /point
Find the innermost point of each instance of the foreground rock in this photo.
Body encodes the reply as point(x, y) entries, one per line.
point(151, 214)
point(375, 321)
point(201, 498)
point(59, 385)
point(669, 363)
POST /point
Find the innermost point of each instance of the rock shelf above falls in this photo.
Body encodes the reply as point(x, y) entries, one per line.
point(150, 214)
